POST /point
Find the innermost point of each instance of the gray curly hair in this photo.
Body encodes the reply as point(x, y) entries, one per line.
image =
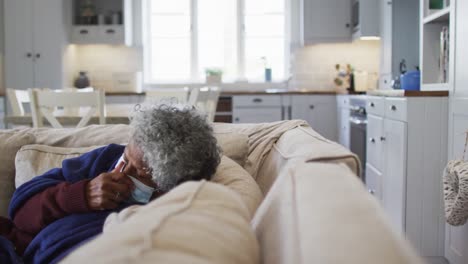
point(177, 142)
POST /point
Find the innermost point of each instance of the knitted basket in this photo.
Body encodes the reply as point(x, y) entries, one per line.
point(455, 181)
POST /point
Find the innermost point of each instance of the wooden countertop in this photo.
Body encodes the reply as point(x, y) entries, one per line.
point(404, 93)
point(242, 92)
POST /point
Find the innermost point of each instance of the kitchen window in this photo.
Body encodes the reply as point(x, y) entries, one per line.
point(241, 37)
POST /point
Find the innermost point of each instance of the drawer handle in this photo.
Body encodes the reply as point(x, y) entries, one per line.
point(393, 108)
point(372, 140)
point(237, 119)
point(110, 31)
point(371, 191)
point(257, 100)
point(372, 105)
point(312, 107)
point(383, 138)
point(84, 31)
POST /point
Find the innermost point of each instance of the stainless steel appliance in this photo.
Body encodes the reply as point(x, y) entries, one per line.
point(358, 128)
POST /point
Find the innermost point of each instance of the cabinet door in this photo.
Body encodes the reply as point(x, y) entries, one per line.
point(375, 153)
point(49, 43)
point(386, 37)
point(319, 111)
point(327, 21)
point(343, 127)
point(374, 181)
point(257, 115)
point(394, 176)
point(18, 44)
point(461, 61)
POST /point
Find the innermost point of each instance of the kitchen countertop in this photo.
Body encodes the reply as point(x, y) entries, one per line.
point(404, 93)
point(230, 92)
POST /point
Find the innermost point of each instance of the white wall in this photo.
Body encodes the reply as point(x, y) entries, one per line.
point(313, 67)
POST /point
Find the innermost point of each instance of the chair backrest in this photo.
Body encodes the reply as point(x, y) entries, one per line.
point(199, 97)
point(175, 95)
point(17, 98)
point(43, 104)
point(212, 102)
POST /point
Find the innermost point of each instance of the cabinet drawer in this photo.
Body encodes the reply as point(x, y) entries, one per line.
point(257, 115)
point(84, 34)
point(111, 34)
point(254, 101)
point(375, 105)
point(396, 108)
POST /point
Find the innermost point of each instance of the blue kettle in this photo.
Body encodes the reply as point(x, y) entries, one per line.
point(409, 80)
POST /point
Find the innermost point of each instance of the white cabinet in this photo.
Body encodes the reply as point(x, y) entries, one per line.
point(259, 108)
point(119, 33)
point(319, 111)
point(406, 154)
point(326, 21)
point(365, 17)
point(35, 40)
point(399, 33)
point(342, 102)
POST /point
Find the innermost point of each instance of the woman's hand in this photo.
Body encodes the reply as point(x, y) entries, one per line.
point(108, 190)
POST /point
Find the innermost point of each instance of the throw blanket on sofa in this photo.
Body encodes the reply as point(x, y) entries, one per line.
point(60, 237)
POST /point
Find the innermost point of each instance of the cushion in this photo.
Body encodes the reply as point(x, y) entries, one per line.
point(234, 145)
point(197, 222)
point(236, 178)
point(34, 160)
point(10, 142)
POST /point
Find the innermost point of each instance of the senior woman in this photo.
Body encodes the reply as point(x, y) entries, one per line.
point(63, 208)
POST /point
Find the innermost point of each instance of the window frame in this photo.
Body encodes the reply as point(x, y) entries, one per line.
point(194, 60)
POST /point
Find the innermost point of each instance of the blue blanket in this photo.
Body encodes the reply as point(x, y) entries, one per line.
point(60, 237)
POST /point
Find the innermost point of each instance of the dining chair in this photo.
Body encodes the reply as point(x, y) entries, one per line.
point(198, 98)
point(177, 95)
point(212, 102)
point(17, 98)
point(43, 104)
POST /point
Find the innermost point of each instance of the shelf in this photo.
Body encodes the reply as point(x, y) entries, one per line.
point(442, 15)
point(435, 87)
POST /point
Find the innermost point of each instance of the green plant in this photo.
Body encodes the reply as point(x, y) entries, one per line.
point(213, 72)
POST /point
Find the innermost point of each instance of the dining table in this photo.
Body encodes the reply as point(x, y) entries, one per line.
point(114, 114)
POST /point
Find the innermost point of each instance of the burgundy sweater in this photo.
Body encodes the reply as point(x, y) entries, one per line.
point(42, 209)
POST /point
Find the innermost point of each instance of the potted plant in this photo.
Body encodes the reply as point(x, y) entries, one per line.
point(213, 75)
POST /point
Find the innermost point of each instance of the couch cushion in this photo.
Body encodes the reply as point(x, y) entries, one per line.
point(236, 178)
point(197, 222)
point(321, 213)
point(233, 144)
point(34, 160)
point(10, 142)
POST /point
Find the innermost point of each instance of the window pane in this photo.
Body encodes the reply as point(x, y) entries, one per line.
point(270, 48)
point(264, 25)
point(170, 59)
point(180, 26)
point(264, 6)
point(217, 40)
point(172, 6)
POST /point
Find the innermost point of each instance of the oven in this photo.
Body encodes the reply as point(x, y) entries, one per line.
point(358, 129)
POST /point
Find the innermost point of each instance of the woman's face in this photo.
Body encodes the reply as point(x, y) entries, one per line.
point(135, 166)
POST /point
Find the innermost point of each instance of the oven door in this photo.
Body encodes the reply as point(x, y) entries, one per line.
point(358, 136)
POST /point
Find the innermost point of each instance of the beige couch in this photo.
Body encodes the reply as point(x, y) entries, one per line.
point(315, 209)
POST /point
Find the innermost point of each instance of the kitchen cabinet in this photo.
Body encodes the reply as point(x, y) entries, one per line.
point(456, 246)
point(365, 18)
point(320, 111)
point(325, 21)
point(35, 42)
point(260, 108)
point(119, 33)
point(399, 33)
point(342, 102)
point(406, 154)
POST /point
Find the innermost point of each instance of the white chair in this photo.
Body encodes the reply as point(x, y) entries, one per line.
point(17, 98)
point(177, 95)
point(212, 102)
point(199, 97)
point(43, 104)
